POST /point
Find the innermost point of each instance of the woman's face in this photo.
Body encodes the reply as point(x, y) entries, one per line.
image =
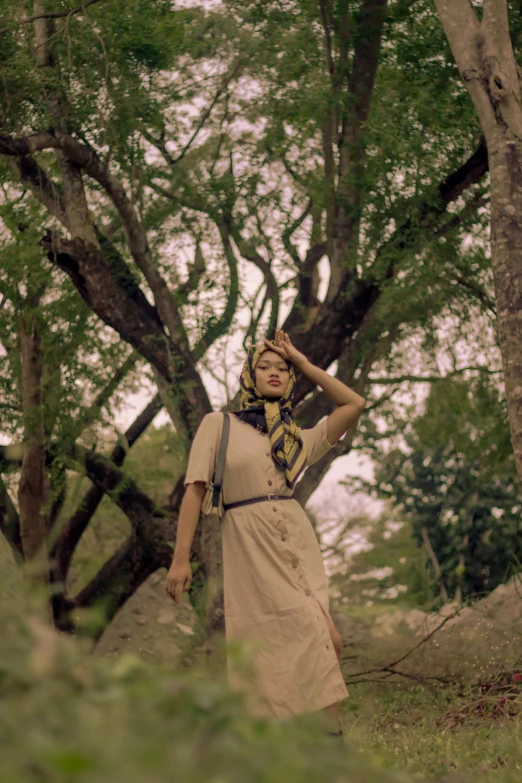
point(272, 375)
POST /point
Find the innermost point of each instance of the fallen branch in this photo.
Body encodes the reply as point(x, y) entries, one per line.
point(389, 669)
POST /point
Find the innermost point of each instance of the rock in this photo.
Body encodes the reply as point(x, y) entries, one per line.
point(166, 616)
point(185, 629)
point(140, 619)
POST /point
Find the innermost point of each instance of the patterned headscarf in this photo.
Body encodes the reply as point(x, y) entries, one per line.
point(288, 449)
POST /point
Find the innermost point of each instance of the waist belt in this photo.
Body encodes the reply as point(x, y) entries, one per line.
point(261, 499)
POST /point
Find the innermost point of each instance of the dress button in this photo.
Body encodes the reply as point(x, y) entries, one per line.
point(307, 592)
point(294, 564)
point(269, 483)
point(283, 537)
point(268, 453)
point(327, 647)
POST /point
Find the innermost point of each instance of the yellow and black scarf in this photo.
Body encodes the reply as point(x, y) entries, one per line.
point(288, 449)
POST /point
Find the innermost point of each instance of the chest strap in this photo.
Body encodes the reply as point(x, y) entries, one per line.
point(260, 499)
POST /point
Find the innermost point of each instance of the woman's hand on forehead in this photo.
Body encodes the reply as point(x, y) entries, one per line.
point(283, 346)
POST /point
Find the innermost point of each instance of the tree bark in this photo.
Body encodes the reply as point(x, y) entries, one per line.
point(33, 488)
point(484, 55)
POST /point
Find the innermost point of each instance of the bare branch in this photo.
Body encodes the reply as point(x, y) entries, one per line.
point(106, 393)
point(195, 273)
point(289, 232)
point(430, 210)
point(407, 654)
point(364, 69)
point(249, 252)
point(86, 158)
point(218, 328)
point(133, 317)
point(208, 111)
point(479, 293)
point(431, 378)
point(326, 19)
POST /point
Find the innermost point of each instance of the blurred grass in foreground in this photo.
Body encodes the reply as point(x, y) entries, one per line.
point(67, 716)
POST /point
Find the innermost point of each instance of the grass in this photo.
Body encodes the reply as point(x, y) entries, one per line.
point(70, 717)
point(458, 730)
point(406, 727)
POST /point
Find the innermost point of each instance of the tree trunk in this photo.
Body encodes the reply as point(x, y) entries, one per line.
point(436, 566)
point(33, 491)
point(484, 55)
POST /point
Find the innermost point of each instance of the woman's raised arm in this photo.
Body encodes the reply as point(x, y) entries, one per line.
point(350, 404)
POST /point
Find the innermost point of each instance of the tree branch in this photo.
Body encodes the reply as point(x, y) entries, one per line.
point(430, 378)
point(290, 230)
point(246, 249)
point(126, 309)
point(106, 393)
point(495, 18)
point(461, 25)
point(478, 292)
point(59, 14)
point(208, 111)
point(72, 531)
point(86, 158)
point(134, 561)
point(10, 523)
point(413, 649)
point(326, 20)
point(366, 59)
point(41, 185)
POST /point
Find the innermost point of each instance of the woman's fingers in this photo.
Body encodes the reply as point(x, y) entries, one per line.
point(175, 588)
point(273, 347)
point(177, 592)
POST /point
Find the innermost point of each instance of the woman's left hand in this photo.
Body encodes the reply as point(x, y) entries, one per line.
point(283, 346)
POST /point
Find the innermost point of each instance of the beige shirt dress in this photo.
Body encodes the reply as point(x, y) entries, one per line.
point(275, 588)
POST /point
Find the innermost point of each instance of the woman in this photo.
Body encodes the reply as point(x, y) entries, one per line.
point(276, 593)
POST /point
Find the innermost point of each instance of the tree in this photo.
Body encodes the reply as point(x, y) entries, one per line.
point(453, 479)
point(481, 42)
point(132, 169)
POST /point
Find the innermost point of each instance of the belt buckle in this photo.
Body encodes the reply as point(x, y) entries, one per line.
point(272, 497)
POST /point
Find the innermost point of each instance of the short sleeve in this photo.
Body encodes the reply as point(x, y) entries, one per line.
point(316, 442)
point(202, 457)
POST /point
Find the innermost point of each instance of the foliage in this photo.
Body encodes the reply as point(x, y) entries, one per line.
point(389, 569)
point(452, 473)
point(215, 178)
point(69, 717)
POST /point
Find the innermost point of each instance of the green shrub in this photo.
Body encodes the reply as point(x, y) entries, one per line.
point(67, 716)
